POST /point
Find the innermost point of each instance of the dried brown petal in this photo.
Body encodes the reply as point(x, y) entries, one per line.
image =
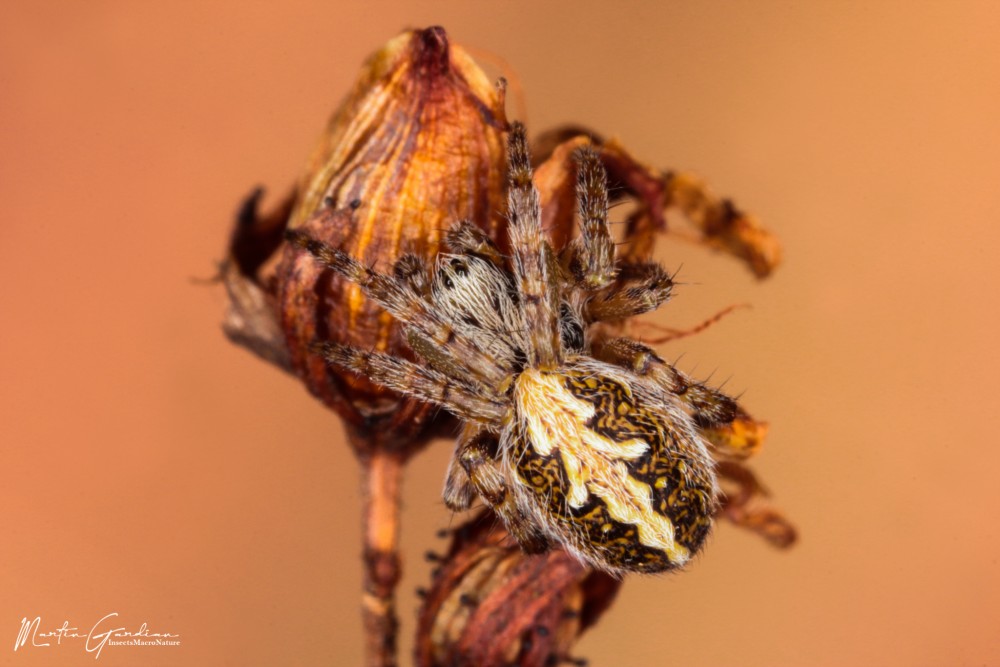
point(723, 225)
point(491, 604)
point(739, 439)
point(251, 318)
point(740, 490)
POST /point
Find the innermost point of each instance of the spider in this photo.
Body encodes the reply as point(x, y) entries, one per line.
point(592, 445)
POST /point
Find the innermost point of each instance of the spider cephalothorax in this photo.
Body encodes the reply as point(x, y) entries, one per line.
point(594, 445)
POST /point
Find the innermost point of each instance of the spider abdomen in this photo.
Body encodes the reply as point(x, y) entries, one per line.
point(608, 469)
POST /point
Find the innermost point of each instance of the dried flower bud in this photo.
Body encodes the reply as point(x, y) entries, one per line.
point(415, 147)
point(492, 604)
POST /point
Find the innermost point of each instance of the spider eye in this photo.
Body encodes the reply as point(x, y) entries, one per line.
point(444, 278)
point(459, 267)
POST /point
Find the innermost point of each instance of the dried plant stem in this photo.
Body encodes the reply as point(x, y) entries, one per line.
point(382, 475)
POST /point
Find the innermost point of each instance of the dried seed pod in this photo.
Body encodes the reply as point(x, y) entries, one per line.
point(491, 604)
point(415, 147)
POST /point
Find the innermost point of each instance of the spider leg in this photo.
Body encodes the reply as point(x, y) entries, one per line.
point(477, 459)
point(459, 491)
point(465, 400)
point(708, 406)
point(590, 259)
point(400, 295)
point(672, 334)
point(640, 288)
point(535, 268)
point(731, 431)
point(439, 358)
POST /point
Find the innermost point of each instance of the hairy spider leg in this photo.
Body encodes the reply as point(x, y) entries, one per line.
point(407, 305)
point(535, 269)
point(590, 259)
point(475, 464)
point(672, 334)
point(459, 491)
point(720, 224)
point(618, 291)
point(465, 400)
point(709, 407)
point(639, 288)
point(727, 426)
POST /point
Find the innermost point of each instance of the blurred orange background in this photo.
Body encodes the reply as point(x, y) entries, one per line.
point(152, 469)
